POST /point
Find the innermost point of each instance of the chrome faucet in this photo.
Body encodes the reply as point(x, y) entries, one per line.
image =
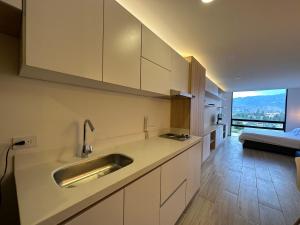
point(86, 149)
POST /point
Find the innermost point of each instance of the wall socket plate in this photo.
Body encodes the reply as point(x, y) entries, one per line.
point(30, 141)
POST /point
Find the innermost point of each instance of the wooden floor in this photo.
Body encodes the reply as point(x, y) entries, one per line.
point(240, 187)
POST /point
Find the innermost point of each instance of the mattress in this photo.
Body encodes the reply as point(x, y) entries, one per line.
point(289, 139)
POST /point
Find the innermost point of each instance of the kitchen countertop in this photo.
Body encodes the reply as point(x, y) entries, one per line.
point(212, 128)
point(41, 201)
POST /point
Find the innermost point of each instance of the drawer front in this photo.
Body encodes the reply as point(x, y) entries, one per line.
point(173, 173)
point(173, 208)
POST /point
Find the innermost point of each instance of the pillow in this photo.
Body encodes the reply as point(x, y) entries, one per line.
point(296, 132)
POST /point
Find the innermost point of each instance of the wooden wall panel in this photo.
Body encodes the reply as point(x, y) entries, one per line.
point(180, 113)
point(197, 88)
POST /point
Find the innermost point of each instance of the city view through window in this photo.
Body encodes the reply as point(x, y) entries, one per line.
point(264, 109)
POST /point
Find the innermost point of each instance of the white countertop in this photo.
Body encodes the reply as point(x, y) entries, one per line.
point(211, 129)
point(41, 201)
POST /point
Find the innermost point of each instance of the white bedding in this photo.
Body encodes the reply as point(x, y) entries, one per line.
point(289, 139)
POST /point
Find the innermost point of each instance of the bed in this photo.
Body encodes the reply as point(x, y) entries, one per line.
point(287, 143)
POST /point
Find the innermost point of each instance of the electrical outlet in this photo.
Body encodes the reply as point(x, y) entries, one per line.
point(30, 141)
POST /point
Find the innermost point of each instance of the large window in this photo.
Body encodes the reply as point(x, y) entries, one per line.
point(264, 109)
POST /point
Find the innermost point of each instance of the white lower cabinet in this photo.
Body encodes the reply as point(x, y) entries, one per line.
point(173, 208)
point(142, 200)
point(107, 212)
point(206, 147)
point(173, 173)
point(194, 171)
point(157, 198)
point(219, 136)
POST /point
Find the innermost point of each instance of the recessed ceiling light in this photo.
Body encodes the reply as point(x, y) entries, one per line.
point(206, 1)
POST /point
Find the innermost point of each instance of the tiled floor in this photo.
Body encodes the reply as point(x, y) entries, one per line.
point(245, 187)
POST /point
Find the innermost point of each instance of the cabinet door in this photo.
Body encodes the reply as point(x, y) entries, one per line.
point(155, 78)
point(142, 200)
point(219, 136)
point(194, 171)
point(154, 49)
point(64, 36)
point(122, 46)
point(206, 147)
point(107, 212)
point(173, 173)
point(211, 87)
point(180, 73)
point(173, 207)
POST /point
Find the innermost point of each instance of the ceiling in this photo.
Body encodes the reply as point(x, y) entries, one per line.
point(244, 44)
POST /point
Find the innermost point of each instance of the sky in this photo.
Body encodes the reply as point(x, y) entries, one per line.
point(242, 94)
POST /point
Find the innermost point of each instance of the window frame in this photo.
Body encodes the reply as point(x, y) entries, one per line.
point(262, 121)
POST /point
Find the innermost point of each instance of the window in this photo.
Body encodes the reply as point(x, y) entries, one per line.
point(263, 109)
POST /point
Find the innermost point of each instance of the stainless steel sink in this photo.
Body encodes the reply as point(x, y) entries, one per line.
point(74, 175)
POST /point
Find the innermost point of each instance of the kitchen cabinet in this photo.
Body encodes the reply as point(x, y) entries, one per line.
point(189, 113)
point(173, 208)
point(211, 87)
point(155, 50)
point(142, 200)
point(122, 46)
point(109, 212)
point(180, 73)
point(173, 174)
point(62, 38)
point(194, 171)
point(154, 78)
point(219, 136)
point(206, 147)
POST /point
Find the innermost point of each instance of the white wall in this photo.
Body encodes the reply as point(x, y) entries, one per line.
point(55, 114)
point(293, 109)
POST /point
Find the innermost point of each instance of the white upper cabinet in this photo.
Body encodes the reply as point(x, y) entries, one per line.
point(155, 78)
point(155, 50)
point(63, 36)
point(180, 73)
point(122, 46)
point(211, 87)
point(142, 200)
point(109, 212)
